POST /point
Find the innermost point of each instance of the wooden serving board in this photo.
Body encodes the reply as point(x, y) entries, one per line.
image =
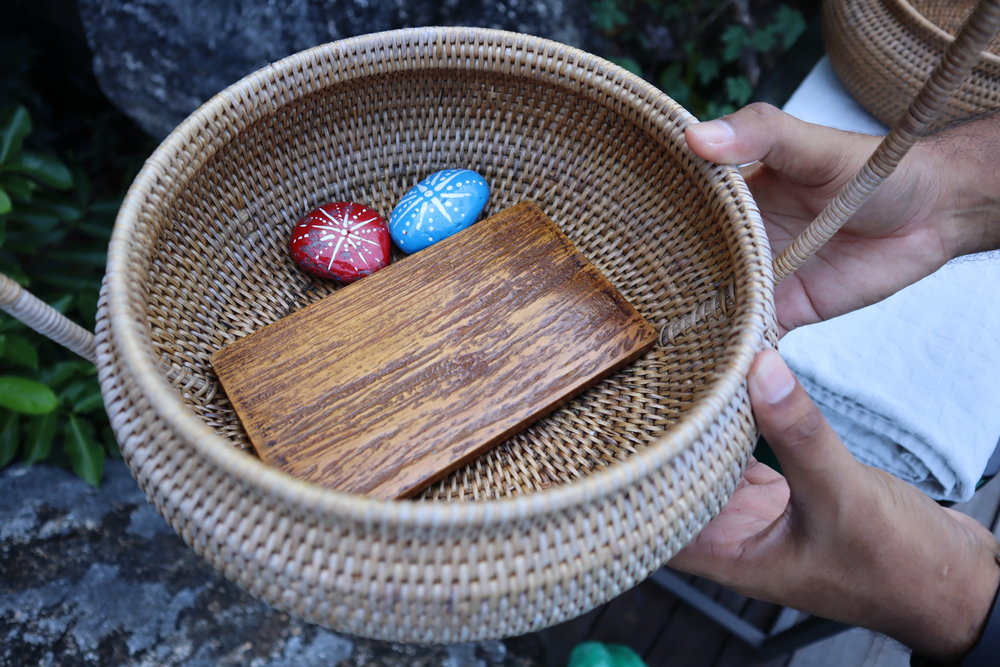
point(391, 382)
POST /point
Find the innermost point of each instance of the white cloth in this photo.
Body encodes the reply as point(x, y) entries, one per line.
point(911, 384)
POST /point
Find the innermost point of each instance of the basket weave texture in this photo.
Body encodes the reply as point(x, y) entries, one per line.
point(884, 50)
point(563, 516)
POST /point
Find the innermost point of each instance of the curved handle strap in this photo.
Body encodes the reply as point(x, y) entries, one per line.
point(961, 56)
point(45, 319)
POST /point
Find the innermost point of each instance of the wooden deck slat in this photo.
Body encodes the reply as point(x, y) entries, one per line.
point(636, 618)
point(734, 601)
point(559, 640)
point(689, 639)
point(738, 654)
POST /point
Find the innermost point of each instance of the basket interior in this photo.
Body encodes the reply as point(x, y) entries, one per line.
point(660, 225)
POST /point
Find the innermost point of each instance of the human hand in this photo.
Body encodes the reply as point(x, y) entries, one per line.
point(928, 211)
point(843, 540)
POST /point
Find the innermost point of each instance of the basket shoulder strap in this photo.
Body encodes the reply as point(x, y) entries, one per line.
point(961, 56)
point(45, 319)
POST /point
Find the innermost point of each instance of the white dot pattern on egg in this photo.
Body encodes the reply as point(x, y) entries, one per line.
point(444, 203)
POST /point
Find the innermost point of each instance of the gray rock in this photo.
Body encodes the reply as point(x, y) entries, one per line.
point(159, 59)
point(96, 577)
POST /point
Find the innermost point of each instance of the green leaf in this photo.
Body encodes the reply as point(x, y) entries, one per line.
point(738, 90)
point(87, 307)
point(43, 168)
point(763, 40)
point(110, 444)
point(62, 208)
point(85, 257)
point(26, 396)
point(715, 110)
point(734, 41)
point(30, 245)
point(76, 390)
point(15, 125)
point(789, 23)
point(17, 186)
point(5, 204)
point(95, 230)
point(41, 432)
point(21, 351)
point(61, 372)
point(608, 16)
point(631, 64)
point(672, 83)
point(89, 402)
point(84, 188)
point(37, 223)
point(63, 303)
point(672, 11)
point(9, 438)
point(707, 70)
point(69, 282)
point(107, 207)
point(86, 456)
point(17, 274)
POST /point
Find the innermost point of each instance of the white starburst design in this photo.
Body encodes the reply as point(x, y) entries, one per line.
point(346, 233)
point(431, 196)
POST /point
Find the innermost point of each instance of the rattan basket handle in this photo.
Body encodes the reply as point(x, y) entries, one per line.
point(961, 56)
point(45, 319)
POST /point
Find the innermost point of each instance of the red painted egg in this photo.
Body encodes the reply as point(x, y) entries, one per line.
point(342, 240)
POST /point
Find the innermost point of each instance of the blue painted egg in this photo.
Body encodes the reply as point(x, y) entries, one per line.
point(444, 203)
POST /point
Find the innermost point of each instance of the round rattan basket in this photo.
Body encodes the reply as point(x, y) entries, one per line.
point(884, 50)
point(563, 516)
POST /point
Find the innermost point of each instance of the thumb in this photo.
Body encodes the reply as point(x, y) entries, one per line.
point(762, 132)
point(813, 459)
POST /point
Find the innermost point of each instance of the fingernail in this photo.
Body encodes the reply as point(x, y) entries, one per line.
point(714, 131)
point(772, 377)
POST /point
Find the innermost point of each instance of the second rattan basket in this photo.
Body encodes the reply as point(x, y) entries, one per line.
point(884, 50)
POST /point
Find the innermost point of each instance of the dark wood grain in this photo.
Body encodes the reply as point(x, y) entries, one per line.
point(389, 383)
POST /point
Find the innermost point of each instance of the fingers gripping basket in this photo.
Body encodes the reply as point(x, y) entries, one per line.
point(560, 518)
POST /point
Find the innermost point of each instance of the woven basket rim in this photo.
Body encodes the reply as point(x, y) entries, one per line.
point(128, 331)
point(937, 32)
